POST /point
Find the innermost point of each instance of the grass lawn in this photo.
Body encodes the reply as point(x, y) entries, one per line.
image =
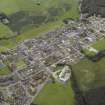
point(4, 71)
point(56, 94)
point(5, 31)
point(13, 6)
point(99, 46)
point(73, 12)
point(90, 75)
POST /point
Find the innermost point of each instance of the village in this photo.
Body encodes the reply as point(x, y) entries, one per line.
point(34, 62)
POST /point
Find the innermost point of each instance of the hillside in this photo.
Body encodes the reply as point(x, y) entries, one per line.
point(93, 7)
point(29, 13)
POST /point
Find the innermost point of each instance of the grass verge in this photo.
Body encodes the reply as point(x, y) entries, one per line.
point(56, 94)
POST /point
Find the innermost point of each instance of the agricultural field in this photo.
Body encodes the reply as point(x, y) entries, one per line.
point(93, 74)
point(31, 18)
point(56, 94)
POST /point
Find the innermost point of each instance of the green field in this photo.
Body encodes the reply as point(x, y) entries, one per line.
point(98, 45)
point(13, 6)
point(90, 74)
point(56, 94)
point(5, 31)
point(4, 71)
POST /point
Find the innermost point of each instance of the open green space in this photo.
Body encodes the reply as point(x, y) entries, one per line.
point(4, 71)
point(56, 94)
point(5, 31)
point(98, 45)
point(90, 74)
point(13, 6)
